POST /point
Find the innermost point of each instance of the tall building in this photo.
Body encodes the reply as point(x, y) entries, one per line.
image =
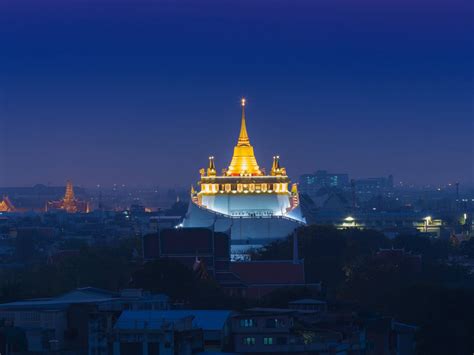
point(374, 185)
point(311, 183)
point(256, 207)
point(68, 203)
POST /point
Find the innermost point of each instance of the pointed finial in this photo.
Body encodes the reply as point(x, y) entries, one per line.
point(69, 195)
point(243, 136)
point(211, 170)
point(276, 169)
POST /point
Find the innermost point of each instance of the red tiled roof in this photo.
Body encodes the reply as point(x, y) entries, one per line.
point(186, 241)
point(269, 272)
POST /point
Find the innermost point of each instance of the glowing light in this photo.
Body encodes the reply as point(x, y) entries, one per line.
point(243, 101)
point(349, 219)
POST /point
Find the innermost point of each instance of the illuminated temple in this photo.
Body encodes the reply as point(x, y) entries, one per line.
point(6, 205)
point(68, 203)
point(254, 206)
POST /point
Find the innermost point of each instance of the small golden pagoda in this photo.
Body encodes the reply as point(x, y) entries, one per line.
point(68, 203)
point(6, 205)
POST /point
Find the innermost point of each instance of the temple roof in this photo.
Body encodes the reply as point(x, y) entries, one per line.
point(6, 205)
point(243, 161)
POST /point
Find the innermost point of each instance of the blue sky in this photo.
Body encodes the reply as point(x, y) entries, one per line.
point(142, 92)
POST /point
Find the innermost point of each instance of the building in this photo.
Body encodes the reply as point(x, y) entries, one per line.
point(187, 245)
point(386, 336)
point(311, 183)
point(213, 325)
point(149, 333)
point(256, 207)
point(290, 331)
point(68, 203)
point(6, 205)
point(65, 322)
point(208, 254)
point(309, 304)
point(263, 277)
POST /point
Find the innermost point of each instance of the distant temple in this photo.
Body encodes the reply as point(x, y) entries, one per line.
point(68, 203)
point(256, 207)
point(6, 205)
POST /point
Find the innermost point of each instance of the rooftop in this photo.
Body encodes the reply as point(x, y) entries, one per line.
point(205, 319)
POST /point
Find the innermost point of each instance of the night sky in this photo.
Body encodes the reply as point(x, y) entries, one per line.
point(142, 92)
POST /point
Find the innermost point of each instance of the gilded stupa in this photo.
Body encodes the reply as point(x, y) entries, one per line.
point(69, 203)
point(6, 205)
point(254, 206)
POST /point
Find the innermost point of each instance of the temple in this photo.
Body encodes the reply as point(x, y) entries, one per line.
point(254, 206)
point(6, 205)
point(68, 203)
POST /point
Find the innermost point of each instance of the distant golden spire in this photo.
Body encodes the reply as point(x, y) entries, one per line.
point(243, 136)
point(243, 161)
point(69, 195)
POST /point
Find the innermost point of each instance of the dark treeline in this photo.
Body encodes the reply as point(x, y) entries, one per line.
point(439, 299)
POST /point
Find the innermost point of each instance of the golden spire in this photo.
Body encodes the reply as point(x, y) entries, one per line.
point(243, 161)
point(211, 170)
point(69, 195)
point(277, 170)
point(243, 136)
point(6, 205)
point(276, 165)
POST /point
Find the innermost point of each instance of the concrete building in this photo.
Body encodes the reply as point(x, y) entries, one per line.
point(285, 331)
point(62, 323)
point(138, 333)
point(310, 183)
point(172, 331)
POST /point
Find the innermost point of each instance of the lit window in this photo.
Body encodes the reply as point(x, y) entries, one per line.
point(248, 341)
point(248, 323)
point(268, 341)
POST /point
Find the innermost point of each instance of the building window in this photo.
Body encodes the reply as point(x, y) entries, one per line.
point(275, 323)
point(268, 341)
point(248, 341)
point(281, 341)
point(248, 323)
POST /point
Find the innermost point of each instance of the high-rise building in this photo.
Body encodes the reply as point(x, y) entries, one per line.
point(256, 207)
point(311, 183)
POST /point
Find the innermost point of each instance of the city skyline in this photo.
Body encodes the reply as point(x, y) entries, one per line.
point(142, 93)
